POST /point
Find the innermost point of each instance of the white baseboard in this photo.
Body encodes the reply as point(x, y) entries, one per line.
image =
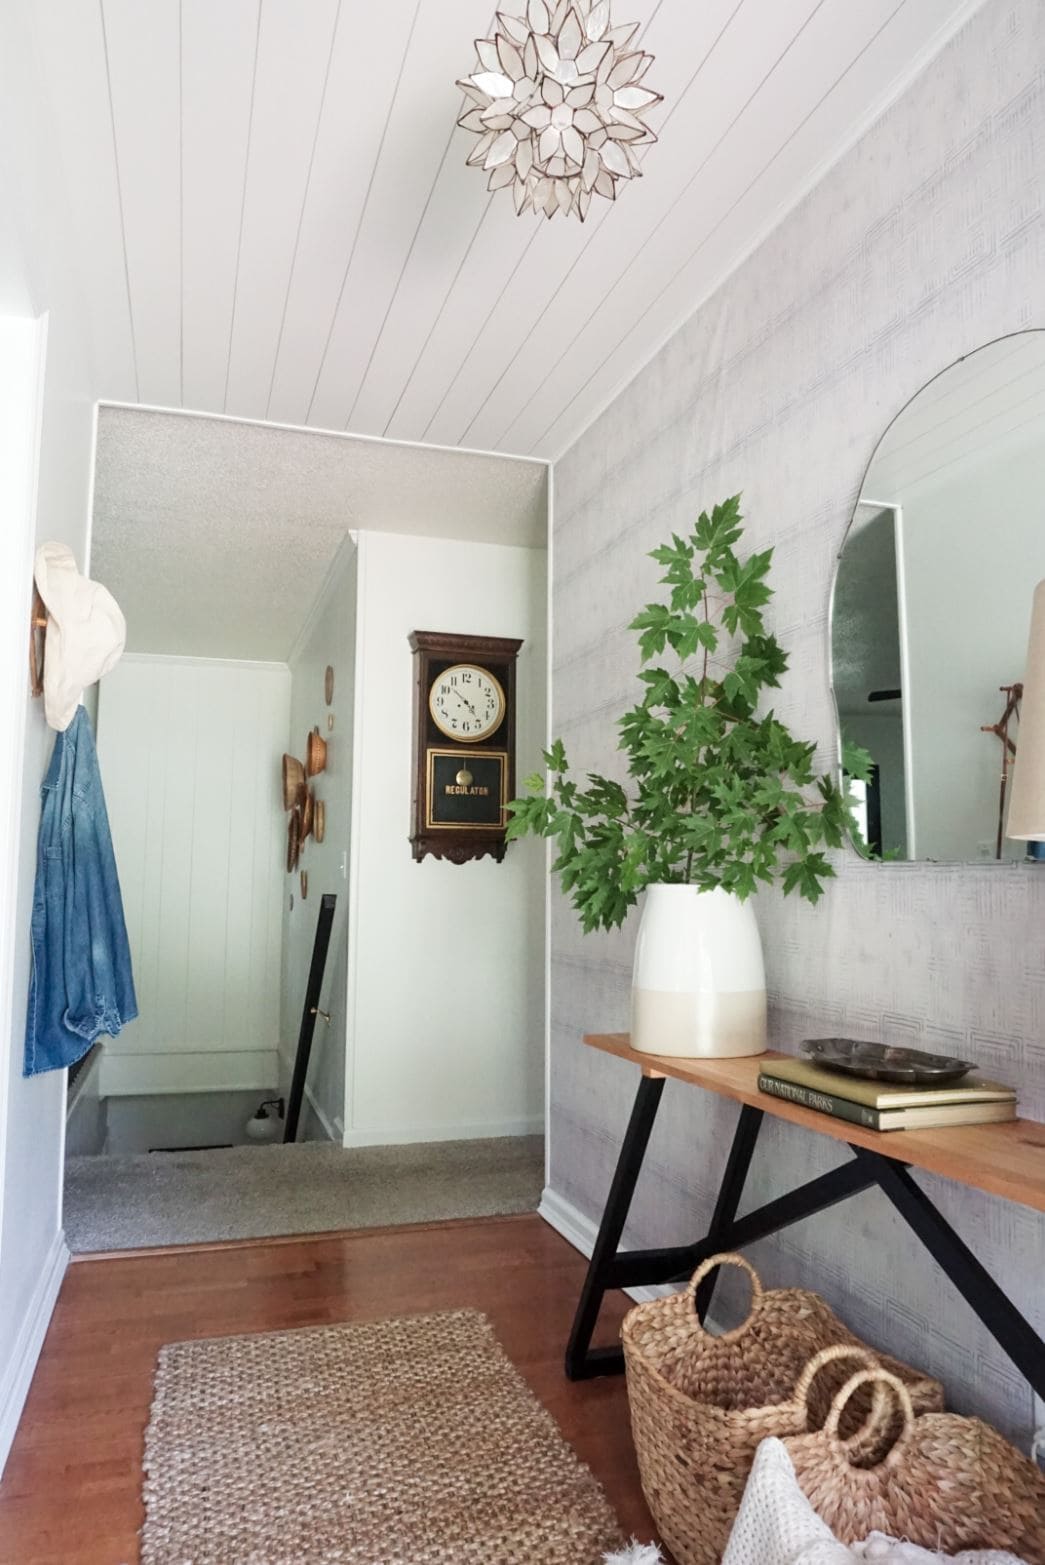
point(406, 1135)
point(18, 1372)
point(580, 1231)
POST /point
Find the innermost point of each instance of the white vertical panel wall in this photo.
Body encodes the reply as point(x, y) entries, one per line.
point(189, 751)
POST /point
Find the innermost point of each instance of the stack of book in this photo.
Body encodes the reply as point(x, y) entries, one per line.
point(878, 1105)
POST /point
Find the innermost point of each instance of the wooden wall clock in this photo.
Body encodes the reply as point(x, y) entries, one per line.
point(464, 744)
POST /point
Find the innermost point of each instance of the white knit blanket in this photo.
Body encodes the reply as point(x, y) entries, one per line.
point(776, 1525)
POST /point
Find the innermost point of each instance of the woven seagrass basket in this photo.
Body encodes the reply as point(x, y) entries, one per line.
point(700, 1404)
point(945, 1482)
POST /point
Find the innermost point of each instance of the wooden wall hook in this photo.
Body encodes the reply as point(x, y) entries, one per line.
point(37, 642)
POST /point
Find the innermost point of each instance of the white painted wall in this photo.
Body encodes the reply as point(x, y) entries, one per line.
point(36, 279)
point(189, 750)
point(446, 962)
point(973, 544)
point(328, 637)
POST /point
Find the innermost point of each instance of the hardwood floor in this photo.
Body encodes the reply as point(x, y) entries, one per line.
point(71, 1491)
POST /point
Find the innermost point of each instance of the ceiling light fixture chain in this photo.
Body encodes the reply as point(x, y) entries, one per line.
point(558, 106)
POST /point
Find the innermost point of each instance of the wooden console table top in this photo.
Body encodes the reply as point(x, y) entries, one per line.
point(1005, 1160)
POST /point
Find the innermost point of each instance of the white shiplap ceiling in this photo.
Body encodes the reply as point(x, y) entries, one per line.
point(275, 221)
point(215, 536)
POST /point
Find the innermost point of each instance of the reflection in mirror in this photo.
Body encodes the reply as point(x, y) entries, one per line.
point(931, 609)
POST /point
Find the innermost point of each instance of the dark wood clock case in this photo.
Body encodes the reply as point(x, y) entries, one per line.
point(461, 838)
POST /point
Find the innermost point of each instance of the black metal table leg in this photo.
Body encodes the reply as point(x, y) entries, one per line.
point(729, 1193)
point(678, 1262)
point(633, 1268)
point(581, 1361)
point(1000, 1316)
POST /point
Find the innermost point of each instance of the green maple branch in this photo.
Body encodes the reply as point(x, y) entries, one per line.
point(719, 793)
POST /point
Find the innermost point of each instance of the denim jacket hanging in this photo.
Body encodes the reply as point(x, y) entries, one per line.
point(81, 983)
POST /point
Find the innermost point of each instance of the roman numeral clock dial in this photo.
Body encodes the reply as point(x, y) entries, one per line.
point(464, 744)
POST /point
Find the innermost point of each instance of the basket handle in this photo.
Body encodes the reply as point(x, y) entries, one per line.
point(878, 1378)
point(840, 1350)
point(837, 1350)
point(727, 1258)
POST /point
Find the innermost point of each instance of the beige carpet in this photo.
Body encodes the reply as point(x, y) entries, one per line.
point(130, 1201)
point(400, 1442)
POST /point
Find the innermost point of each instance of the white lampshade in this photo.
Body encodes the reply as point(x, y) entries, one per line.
point(1027, 801)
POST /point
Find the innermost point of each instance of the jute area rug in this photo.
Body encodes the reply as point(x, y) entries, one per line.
point(399, 1442)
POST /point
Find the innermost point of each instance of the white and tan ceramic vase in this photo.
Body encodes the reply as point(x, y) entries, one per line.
point(698, 987)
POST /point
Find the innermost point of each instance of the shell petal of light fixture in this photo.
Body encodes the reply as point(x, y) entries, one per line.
point(558, 105)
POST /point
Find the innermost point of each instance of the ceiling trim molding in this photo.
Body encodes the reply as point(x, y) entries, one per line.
point(325, 434)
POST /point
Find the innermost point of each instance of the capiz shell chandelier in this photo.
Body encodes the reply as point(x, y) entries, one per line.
point(557, 105)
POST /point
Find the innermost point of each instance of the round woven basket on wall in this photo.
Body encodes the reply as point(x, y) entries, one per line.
point(700, 1404)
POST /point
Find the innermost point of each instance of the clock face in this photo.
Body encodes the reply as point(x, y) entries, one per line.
point(466, 703)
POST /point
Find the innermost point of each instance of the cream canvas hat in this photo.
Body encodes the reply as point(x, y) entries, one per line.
point(86, 632)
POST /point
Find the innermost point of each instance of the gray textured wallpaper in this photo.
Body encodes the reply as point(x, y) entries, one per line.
point(926, 241)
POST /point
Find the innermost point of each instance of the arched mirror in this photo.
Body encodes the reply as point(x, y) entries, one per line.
point(931, 608)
